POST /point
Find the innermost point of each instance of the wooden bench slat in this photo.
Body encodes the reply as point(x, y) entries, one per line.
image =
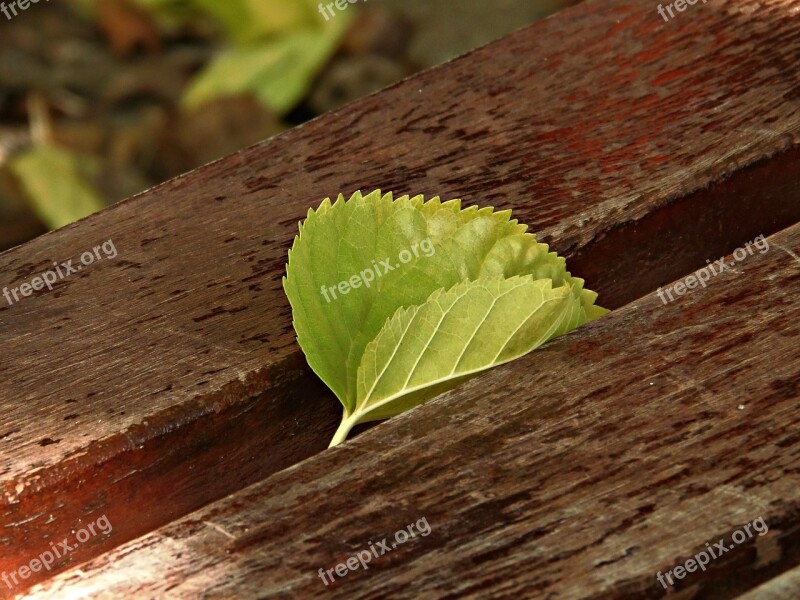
point(579, 471)
point(168, 376)
point(785, 586)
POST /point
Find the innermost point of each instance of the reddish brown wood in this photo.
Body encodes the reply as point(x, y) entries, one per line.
point(780, 588)
point(169, 377)
point(579, 471)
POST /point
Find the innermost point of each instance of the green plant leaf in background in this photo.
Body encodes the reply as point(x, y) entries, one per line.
point(277, 47)
point(343, 241)
point(280, 47)
point(55, 183)
point(248, 21)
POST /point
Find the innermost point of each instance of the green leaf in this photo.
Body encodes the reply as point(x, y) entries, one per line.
point(55, 184)
point(396, 253)
point(233, 15)
point(275, 16)
point(278, 70)
point(245, 21)
point(455, 334)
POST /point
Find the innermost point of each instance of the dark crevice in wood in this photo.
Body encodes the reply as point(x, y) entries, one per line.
point(164, 471)
point(633, 259)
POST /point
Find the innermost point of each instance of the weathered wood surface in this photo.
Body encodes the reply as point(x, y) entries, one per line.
point(150, 384)
point(782, 587)
point(579, 471)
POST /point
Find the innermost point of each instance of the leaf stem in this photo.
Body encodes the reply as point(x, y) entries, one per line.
point(344, 428)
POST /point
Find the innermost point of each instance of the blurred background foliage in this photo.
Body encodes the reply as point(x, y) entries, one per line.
point(102, 99)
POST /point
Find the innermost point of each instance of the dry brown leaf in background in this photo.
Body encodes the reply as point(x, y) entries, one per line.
point(128, 27)
point(380, 31)
point(213, 130)
point(348, 78)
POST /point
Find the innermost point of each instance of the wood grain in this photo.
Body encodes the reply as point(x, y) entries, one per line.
point(780, 588)
point(579, 471)
point(150, 384)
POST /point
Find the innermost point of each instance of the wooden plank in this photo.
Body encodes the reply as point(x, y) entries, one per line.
point(579, 471)
point(782, 587)
point(168, 376)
